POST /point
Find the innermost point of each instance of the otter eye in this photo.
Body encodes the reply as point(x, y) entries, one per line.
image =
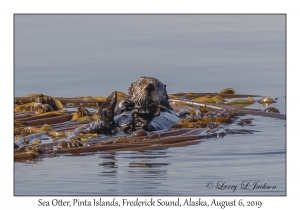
point(140, 83)
point(157, 84)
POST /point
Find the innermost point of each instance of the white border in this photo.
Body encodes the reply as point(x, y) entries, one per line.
point(8, 8)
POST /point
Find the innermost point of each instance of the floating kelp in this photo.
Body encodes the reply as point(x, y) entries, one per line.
point(49, 119)
point(95, 117)
point(79, 113)
point(203, 99)
point(29, 117)
point(188, 113)
point(200, 120)
point(165, 139)
point(98, 98)
point(86, 98)
point(271, 109)
point(57, 134)
point(17, 137)
point(32, 95)
point(203, 110)
point(37, 102)
point(228, 91)
point(191, 94)
point(249, 100)
point(24, 107)
point(121, 94)
point(266, 100)
point(227, 108)
point(30, 130)
point(188, 96)
point(36, 142)
point(218, 99)
point(62, 145)
point(52, 101)
point(88, 135)
point(244, 122)
point(173, 96)
point(57, 103)
point(27, 139)
point(84, 119)
point(242, 102)
point(25, 153)
point(74, 143)
point(46, 127)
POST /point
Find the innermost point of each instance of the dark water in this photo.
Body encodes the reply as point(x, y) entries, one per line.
point(70, 55)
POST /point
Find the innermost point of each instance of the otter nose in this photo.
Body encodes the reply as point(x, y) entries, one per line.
point(150, 88)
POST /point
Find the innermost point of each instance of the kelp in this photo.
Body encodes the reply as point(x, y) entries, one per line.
point(228, 108)
point(228, 91)
point(57, 103)
point(45, 97)
point(266, 100)
point(88, 135)
point(271, 109)
point(247, 101)
point(218, 99)
point(30, 117)
point(203, 99)
point(79, 113)
point(98, 100)
point(84, 119)
point(24, 107)
point(30, 130)
point(44, 120)
point(166, 139)
point(190, 96)
point(244, 122)
point(57, 134)
point(200, 121)
point(173, 96)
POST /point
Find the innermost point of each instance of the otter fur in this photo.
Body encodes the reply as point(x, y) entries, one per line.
point(145, 108)
point(148, 90)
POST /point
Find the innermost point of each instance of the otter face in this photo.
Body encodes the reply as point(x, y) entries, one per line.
point(147, 90)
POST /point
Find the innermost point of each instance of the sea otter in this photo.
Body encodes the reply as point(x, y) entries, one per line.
point(146, 107)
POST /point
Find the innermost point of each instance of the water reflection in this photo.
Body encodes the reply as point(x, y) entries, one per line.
point(143, 164)
point(109, 164)
point(30, 161)
point(147, 165)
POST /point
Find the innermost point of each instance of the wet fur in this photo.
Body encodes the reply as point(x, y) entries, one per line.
point(140, 96)
point(147, 98)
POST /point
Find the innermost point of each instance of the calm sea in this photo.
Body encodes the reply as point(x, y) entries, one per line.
point(81, 55)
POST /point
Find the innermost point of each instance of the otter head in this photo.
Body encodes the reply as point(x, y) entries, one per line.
point(148, 90)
